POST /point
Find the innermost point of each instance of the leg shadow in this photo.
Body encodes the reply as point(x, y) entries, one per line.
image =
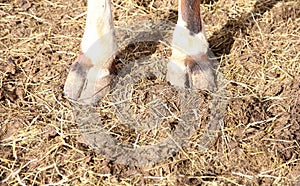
point(222, 41)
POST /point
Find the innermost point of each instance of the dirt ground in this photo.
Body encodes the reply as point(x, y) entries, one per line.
point(257, 44)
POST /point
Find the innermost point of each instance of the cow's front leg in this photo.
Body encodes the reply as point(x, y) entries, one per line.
point(92, 72)
point(189, 65)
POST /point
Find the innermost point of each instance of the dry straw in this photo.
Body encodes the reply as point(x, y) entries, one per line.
point(257, 43)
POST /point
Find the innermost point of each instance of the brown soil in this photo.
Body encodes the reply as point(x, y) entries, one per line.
point(257, 43)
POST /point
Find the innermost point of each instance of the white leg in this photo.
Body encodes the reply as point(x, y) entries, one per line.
point(91, 74)
point(189, 65)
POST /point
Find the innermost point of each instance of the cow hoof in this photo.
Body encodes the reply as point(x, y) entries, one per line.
point(86, 83)
point(194, 74)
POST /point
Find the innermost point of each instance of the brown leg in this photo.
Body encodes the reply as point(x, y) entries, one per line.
point(189, 65)
point(91, 73)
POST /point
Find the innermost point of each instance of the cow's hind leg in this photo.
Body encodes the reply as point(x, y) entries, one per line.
point(91, 73)
point(189, 65)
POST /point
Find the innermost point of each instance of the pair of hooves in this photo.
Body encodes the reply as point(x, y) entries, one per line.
point(88, 86)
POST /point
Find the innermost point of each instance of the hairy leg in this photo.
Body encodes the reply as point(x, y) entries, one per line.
point(92, 72)
point(190, 66)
